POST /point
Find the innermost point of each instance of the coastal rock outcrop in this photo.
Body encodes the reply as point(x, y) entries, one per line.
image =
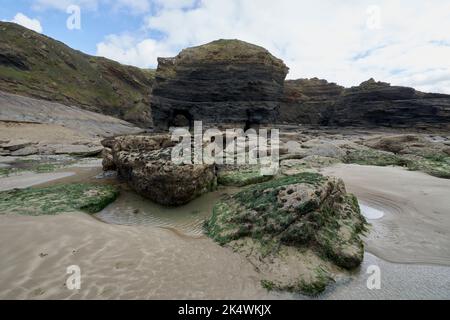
point(144, 162)
point(225, 81)
point(380, 104)
point(371, 104)
point(308, 101)
point(280, 221)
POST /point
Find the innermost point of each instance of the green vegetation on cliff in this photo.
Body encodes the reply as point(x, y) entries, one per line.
point(34, 65)
point(228, 50)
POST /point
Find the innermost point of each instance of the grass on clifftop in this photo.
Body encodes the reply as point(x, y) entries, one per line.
point(32, 64)
point(231, 50)
point(57, 199)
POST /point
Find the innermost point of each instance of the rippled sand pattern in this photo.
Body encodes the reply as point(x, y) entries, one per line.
point(133, 210)
point(117, 262)
point(398, 281)
point(416, 222)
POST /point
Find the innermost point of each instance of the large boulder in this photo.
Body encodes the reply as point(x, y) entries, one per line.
point(145, 163)
point(287, 219)
point(225, 81)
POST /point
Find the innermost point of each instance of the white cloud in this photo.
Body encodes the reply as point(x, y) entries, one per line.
point(328, 39)
point(127, 50)
point(32, 24)
point(134, 6)
point(62, 5)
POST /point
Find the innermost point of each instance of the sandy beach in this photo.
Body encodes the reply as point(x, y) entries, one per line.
point(245, 159)
point(29, 179)
point(148, 262)
point(117, 262)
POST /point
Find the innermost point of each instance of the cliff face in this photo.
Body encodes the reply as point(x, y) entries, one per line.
point(379, 104)
point(225, 81)
point(34, 65)
point(370, 104)
point(308, 101)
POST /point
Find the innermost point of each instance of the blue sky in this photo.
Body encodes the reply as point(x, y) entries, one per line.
point(95, 24)
point(404, 42)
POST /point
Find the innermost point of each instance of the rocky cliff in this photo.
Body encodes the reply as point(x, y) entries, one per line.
point(225, 81)
point(37, 66)
point(370, 104)
point(379, 104)
point(308, 101)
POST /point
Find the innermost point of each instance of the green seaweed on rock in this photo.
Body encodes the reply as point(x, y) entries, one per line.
point(306, 211)
point(57, 199)
point(241, 177)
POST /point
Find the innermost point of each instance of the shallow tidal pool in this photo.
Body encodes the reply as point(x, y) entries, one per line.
point(133, 210)
point(370, 213)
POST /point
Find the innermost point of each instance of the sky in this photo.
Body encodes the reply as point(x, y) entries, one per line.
point(403, 42)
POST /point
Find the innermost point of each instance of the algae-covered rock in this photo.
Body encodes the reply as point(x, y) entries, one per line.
point(57, 199)
point(410, 151)
point(240, 176)
point(311, 163)
point(292, 214)
point(408, 144)
point(372, 157)
point(438, 166)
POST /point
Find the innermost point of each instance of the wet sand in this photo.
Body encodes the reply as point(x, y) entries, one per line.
point(148, 262)
point(117, 262)
point(133, 210)
point(29, 179)
point(397, 282)
point(416, 222)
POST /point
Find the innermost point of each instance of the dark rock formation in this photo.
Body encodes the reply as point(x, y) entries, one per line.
point(37, 66)
point(225, 81)
point(308, 101)
point(145, 163)
point(370, 104)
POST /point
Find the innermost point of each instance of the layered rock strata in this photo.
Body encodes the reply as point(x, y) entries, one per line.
point(225, 81)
